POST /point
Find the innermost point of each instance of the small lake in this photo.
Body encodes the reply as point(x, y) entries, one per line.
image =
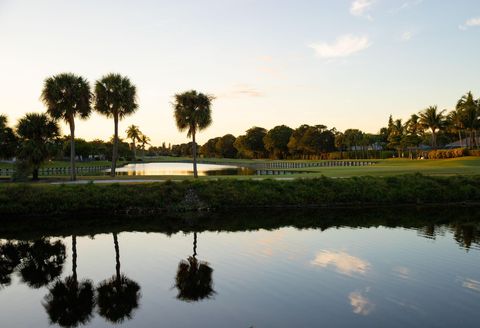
point(141, 169)
point(244, 269)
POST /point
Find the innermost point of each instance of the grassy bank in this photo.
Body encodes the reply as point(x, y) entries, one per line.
point(224, 194)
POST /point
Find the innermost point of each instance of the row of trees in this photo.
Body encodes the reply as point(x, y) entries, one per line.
point(440, 127)
point(67, 97)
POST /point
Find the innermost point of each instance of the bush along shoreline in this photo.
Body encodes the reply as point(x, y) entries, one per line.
point(153, 198)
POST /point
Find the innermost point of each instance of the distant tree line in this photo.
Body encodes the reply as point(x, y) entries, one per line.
point(36, 137)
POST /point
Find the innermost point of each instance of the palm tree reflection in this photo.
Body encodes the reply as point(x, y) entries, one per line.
point(42, 262)
point(194, 278)
point(9, 260)
point(118, 296)
point(70, 302)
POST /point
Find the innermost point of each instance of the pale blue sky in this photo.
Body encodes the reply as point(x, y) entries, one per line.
point(342, 63)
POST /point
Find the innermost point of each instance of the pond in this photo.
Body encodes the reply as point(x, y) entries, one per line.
point(247, 269)
point(143, 169)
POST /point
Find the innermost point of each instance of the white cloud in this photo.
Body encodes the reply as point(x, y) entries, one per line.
point(241, 90)
point(360, 7)
point(342, 47)
point(343, 262)
point(472, 22)
point(407, 36)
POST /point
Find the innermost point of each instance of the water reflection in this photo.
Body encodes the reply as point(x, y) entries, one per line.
point(42, 262)
point(361, 270)
point(145, 169)
point(118, 296)
point(194, 278)
point(360, 303)
point(70, 302)
point(343, 262)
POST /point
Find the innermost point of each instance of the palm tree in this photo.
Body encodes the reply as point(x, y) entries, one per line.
point(115, 96)
point(66, 96)
point(133, 133)
point(144, 140)
point(469, 108)
point(434, 120)
point(192, 111)
point(194, 278)
point(70, 302)
point(455, 120)
point(118, 296)
point(36, 132)
point(8, 139)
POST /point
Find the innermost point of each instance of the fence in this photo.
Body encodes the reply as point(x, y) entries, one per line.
point(52, 171)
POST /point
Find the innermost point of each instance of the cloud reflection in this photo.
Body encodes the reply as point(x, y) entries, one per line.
point(343, 262)
point(471, 284)
point(360, 304)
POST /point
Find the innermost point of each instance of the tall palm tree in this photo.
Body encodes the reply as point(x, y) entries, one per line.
point(470, 115)
point(456, 122)
point(144, 140)
point(70, 302)
point(194, 278)
point(192, 111)
point(115, 96)
point(118, 296)
point(133, 133)
point(36, 132)
point(66, 96)
point(432, 119)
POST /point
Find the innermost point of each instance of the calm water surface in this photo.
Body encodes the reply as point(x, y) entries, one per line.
point(367, 275)
point(181, 169)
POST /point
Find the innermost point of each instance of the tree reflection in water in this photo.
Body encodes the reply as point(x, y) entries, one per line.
point(41, 262)
point(9, 260)
point(194, 278)
point(118, 296)
point(70, 302)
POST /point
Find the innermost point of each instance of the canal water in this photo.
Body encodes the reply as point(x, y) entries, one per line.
point(397, 268)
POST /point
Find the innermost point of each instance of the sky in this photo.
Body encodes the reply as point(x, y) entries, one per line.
point(341, 63)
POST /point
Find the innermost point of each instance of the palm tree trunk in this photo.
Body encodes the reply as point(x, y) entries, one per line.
point(134, 151)
point(194, 147)
point(115, 146)
point(460, 138)
point(73, 172)
point(35, 174)
point(194, 244)
point(74, 257)
point(434, 140)
point(117, 255)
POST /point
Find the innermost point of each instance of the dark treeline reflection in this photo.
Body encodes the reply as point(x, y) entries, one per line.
point(194, 278)
point(464, 222)
point(69, 302)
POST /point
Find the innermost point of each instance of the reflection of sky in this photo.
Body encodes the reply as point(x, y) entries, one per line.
point(360, 303)
point(471, 284)
point(276, 279)
point(170, 168)
point(343, 262)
